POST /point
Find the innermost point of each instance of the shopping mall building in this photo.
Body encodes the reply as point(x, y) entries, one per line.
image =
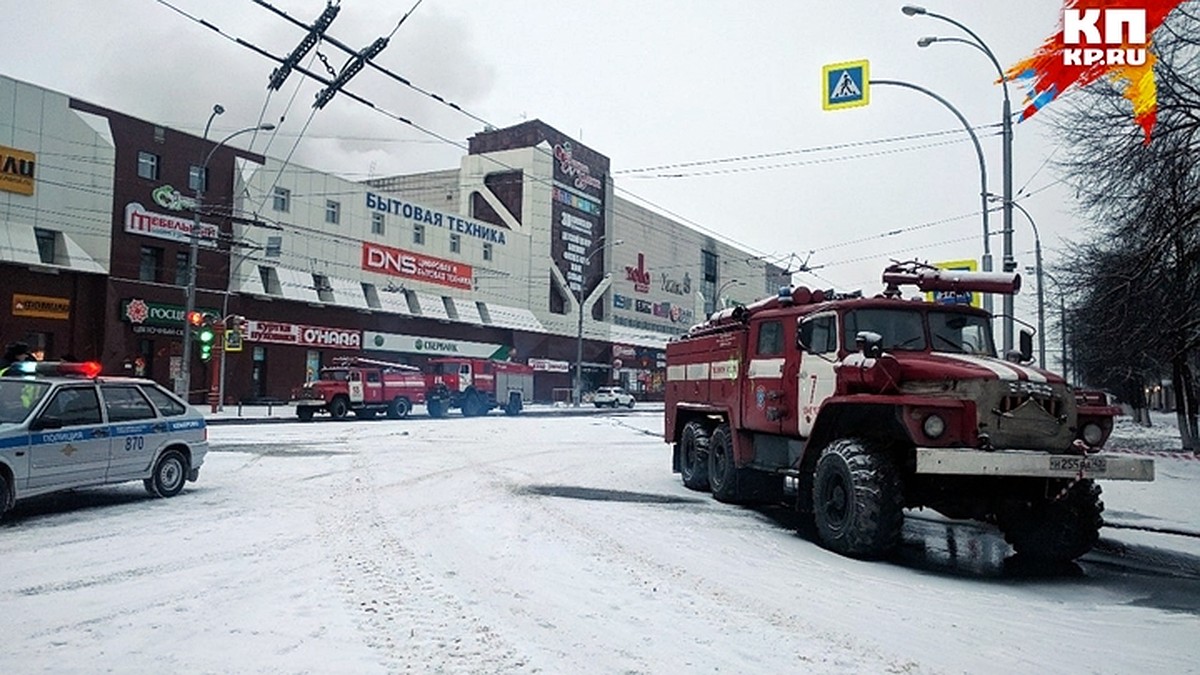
point(490, 260)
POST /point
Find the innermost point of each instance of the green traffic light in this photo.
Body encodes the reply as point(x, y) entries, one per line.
point(205, 336)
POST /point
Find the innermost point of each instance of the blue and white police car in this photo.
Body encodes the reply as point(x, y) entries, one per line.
point(64, 426)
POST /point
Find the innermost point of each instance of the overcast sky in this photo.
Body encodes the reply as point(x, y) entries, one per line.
point(647, 82)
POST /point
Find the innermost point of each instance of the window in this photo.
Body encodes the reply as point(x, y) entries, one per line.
point(373, 377)
point(770, 338)
point(708, 281)
point(73, 406)
point(376, 223)
point(333, 212)
point(182, 267)
point(150, 263)
point(282, 199)
point(166, 402)
point(819, 334)
point(126, 404)
point(18, 397)
point(147, 165)
point(418, 233)
point(487, 251)
point(455, 243)
point(955, 332)
point(45, 244)
point(900, 328)
point(198, 178)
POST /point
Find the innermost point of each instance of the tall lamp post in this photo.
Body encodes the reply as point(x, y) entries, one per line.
point(579, 333)
point(185, 369)
point(983, 189)
point(1007, 133)
point(727, 284)
point(1037, 257)
point(1062, 308)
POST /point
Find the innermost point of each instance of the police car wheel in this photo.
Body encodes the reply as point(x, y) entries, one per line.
point(4, 495)
point(170, 473)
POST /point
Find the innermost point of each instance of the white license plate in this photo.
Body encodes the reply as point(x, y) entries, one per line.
point(1091, 465)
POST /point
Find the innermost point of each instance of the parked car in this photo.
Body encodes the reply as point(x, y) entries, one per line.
point(62, 426)
point(612, 397)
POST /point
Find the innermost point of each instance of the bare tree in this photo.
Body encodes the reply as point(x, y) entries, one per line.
point(1137, 271)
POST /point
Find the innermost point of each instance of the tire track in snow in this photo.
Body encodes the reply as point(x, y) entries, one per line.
point(405, 615)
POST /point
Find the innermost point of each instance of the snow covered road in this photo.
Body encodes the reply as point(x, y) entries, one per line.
point(553, 545)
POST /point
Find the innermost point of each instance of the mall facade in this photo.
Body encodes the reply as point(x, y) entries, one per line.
point(493, 259)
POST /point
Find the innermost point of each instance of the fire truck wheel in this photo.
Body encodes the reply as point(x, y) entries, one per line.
point(1056, 531)
point(857, 500)
point(305, 413)
point(338, 408)
point(473, 405)
point(693, 456)
point(730, 484)
point(436, 408)
point(399, 408)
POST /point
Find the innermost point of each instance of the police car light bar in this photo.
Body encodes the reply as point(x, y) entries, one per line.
point(87, 369)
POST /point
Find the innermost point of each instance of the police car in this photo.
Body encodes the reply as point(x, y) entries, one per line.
point(64, 426)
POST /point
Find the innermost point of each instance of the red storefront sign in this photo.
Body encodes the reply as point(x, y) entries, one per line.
point(303, 336)
point(400, 263)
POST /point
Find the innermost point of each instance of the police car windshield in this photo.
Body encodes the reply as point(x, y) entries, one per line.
point(18, 397)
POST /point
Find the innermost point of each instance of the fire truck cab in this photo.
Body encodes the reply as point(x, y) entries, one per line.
point(854, 409)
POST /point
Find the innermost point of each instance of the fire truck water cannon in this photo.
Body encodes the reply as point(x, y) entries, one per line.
point(928, 278)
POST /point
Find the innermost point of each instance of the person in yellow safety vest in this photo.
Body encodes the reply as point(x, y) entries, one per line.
point(16, 353)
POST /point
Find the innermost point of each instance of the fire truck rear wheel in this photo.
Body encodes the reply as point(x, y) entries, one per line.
point(338, 408)
point(693, 456)
point(858, 500)
point(305, 413)
point(729, 483)
point(1056, 531)
point(399, 408)
point(473, 405)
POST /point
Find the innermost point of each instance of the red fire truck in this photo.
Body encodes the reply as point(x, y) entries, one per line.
point(855, 408)
point(475, 386)
point(365, 387)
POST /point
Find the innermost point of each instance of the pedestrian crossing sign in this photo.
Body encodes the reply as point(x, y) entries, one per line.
point(845, 85)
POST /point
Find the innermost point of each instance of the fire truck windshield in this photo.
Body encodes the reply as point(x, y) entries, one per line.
point(335, 374)
point(902, 329)
point(905, 330)
point(963, 333)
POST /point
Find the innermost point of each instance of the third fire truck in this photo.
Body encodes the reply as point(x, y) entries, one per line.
point(856, 408)
point(475, 386)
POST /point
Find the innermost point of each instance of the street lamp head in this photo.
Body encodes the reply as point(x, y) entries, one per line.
point(218, 109)
point(266, 127)
point(912, 10)
point(926, 41)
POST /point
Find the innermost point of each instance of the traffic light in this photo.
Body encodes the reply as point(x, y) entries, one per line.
point(204, 337)
point(195, 319)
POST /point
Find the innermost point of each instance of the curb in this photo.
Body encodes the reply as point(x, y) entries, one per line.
point(325, 419)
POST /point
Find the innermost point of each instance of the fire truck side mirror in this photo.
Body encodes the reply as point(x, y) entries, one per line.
point(1026, 344)
point(869, 343)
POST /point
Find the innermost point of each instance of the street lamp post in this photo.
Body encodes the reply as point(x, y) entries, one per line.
point(1062, 308)
point(1037, 256)
point(185, 368)
point(1007, 132)
point(727, 284)
point(579, 333)
point(983, 189)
